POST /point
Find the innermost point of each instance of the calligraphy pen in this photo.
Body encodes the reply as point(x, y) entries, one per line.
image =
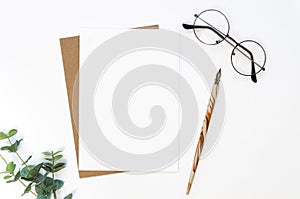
point(210, 108)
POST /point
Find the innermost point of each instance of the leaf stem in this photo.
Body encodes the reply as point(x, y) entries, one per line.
point(24, 163)
point(3, 159)
point(54, 192)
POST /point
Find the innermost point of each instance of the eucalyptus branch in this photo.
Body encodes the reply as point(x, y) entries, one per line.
point(18, 155)
point(37, 175)
point(6, 163)
point(54, 192)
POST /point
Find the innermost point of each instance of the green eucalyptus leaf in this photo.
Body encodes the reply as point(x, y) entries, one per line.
point(3, 136)
point(57, 157)
point(24, 172)
point(70, 196)
point(48, 166)
point(13, 148)
point(52, 185)
point(59, 166)
point(34, 171)
point(27, 160)
point(27, 189)
point(57, 152)
point(47, 153)
point(49, 159)
point(7, 177)
point(17, 144)
point(40, 179)
point(5, 148)
point(17, 177)
point(10, 168)
point(39, 190)
point(12, 132)
point(58, 184)
point(48, 169)
point(41, 196)
point(46, 187)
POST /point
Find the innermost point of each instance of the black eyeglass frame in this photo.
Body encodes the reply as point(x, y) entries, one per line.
point(229, 40)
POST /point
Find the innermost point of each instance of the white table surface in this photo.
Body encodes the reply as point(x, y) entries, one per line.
point(250, 161)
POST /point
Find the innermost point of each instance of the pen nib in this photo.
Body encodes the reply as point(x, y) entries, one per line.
point(218, 76)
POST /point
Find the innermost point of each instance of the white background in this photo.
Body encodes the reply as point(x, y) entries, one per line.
point(258, 153)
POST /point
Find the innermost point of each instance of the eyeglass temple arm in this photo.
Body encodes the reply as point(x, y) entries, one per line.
point(188, 27)
point(253, 72)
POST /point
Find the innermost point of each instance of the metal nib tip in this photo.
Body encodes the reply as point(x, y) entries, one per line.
point(218, 76)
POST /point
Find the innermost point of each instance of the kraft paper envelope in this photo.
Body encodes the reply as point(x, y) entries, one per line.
point(70, 49)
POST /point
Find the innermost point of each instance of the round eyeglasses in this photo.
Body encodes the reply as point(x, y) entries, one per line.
point(211, 27)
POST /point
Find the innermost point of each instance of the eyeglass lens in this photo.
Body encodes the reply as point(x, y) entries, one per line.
point(212, 22)
point(240, 57)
